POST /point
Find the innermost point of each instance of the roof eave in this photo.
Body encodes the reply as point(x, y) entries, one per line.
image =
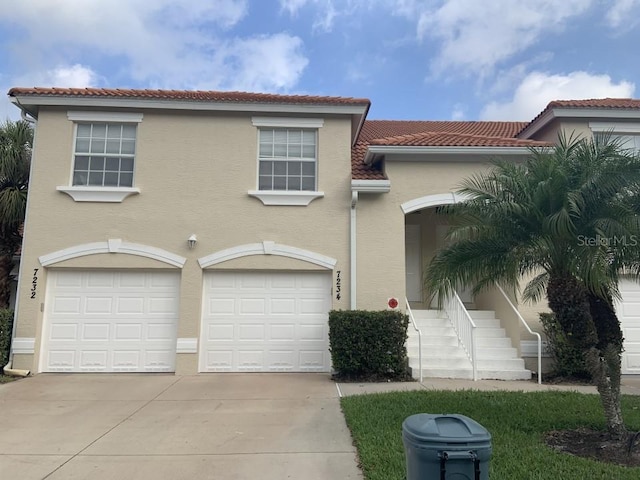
point(376, 150)
point(576, 112)
point(33, 102)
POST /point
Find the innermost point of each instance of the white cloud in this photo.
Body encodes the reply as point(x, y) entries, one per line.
point(161, 44)
point(293, 6)
point(476, 36)
point(262, 63)
point(73, 76)
point(538, 89)
point(621, 14)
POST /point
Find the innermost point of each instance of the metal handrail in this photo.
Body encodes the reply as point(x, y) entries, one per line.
point(415, 327)
point(526, 325)
point(464, 326)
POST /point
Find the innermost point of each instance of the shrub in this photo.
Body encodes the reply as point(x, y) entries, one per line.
point(368, 344)
point(567, 359)
point(6, 325)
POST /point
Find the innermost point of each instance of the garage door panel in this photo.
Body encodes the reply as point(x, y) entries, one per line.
point(95, 332)
point(102, 305)
point(251, 306)
point(267, 322)
point(100, 280)
point(282, 332)
point(68, 305)
point(111, 321)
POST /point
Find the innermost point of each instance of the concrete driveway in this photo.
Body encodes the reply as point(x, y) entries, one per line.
point(153, 426)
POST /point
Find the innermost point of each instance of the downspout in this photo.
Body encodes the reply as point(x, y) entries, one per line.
point(353, 257)
point(7, 369)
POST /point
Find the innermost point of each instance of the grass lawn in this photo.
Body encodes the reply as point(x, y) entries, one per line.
point(517, 422)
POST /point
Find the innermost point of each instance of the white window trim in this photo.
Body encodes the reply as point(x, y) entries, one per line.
point(94, 193)
point(300, 198)
point(286, 122)
point(115, 117)
point(99, 194)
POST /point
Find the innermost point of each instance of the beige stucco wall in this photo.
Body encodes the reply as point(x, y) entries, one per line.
point(194, 172)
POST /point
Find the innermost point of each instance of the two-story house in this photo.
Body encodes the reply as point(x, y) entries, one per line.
point(213, 231)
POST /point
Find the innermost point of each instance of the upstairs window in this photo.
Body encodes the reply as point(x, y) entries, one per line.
point(104, 154)
point(287, 159)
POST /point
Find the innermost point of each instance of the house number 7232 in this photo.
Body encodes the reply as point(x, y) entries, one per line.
point(34, 283)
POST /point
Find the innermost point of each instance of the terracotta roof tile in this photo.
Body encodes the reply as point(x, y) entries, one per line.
point(594, 103)
point(190, 95)
point(448, 139)
point(431, 133)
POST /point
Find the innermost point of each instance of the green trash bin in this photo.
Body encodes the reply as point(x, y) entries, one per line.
point(446, 447)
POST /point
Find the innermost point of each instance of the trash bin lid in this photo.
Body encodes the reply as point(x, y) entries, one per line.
point(450, 429)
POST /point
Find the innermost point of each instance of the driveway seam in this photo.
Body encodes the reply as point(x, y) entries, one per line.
point(110, 430)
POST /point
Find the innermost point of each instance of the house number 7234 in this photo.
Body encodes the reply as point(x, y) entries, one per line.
point(34, 283)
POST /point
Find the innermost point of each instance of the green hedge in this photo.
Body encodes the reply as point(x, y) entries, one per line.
point(368, 344)
point(568, 361)
point(6, 325)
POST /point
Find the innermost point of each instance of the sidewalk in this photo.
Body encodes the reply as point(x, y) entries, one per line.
point(630, 386)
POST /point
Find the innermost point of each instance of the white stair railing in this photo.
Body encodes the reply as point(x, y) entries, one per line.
point(464, 326)
point(526, 325)
point(415, 327)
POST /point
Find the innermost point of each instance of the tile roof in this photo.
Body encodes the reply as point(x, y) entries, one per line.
point(593, 103)
point(431, 133)
point(190, 95)
point(449, 139)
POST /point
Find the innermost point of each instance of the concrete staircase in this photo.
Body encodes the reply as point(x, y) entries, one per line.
point(443, 357)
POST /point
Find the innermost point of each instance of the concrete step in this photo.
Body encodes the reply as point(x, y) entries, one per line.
point(493, 353)
point(501, 364)
point(436, 351)
point(490, 332)
point(425, 314)
point(482, 314)
point(441, 363)
point(493, 342)
point(443, 340)
point(486, 322)
point(423, 323)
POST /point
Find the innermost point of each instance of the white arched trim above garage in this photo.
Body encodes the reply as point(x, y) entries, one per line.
point(267, 248)
point(114, 245)
point(428, 201)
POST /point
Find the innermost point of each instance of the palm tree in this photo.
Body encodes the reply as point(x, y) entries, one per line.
point(553, 218)
point(16, 140)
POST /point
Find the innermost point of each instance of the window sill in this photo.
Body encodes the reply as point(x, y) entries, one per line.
point(270, 197)
point(99, 194)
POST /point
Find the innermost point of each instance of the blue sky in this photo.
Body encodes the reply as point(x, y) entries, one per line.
point(415, 59)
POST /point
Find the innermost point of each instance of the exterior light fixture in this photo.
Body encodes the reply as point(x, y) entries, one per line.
point(192, 241)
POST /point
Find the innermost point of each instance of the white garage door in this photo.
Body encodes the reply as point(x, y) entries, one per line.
point(110, 321)
point(629, 315)
point(265, 322)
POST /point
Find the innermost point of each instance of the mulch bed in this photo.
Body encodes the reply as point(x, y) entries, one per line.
point(597, 445)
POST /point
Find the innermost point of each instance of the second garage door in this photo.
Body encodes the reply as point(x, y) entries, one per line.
point(265, 322)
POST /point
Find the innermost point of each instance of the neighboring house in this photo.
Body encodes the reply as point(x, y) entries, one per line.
point(213, 231)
